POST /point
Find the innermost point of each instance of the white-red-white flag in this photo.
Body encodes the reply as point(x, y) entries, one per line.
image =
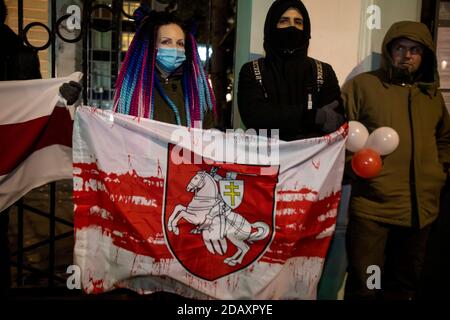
point(220, 226)
point(35, 136)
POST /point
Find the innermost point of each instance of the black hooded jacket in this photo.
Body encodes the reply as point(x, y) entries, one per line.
point(289, 77)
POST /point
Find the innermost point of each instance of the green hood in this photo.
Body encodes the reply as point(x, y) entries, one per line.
point(417, 32)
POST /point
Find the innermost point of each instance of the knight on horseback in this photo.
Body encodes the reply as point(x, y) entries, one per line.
point(215, 219)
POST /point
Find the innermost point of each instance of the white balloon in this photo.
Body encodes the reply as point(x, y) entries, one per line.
point(383, 140)
point(357, 136)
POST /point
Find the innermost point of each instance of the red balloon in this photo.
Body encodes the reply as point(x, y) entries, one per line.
point(367, 163)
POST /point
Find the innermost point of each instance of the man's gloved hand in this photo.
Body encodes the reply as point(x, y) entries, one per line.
point(328, 118)
point(70, 91)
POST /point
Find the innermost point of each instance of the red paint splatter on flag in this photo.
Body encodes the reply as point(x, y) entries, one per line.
point(300, 219)
point(128, 209)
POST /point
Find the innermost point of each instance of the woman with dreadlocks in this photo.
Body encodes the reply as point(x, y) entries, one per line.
point(162, 77)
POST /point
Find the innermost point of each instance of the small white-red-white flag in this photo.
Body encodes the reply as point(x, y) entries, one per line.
point(35, 136)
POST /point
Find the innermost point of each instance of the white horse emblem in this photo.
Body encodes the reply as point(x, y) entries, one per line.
point(214, 217)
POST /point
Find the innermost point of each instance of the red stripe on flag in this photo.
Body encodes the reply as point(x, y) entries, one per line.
point(126, 207)
point(19, 140)
point(299, 223)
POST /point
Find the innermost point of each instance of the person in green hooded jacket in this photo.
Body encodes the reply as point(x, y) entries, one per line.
point(390, 215)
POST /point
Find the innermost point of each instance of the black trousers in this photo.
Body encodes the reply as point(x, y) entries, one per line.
point(398, 252)
point(435, 281)
point(5, 255)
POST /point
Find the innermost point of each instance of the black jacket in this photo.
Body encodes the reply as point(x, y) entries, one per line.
point(294, 121)
point(17, 61)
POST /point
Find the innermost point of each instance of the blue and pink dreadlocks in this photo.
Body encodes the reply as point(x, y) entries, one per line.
point(137, 81)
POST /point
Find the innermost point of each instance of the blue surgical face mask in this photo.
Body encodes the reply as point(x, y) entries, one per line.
point(170, 59)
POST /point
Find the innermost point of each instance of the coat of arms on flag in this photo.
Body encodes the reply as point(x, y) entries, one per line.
point(207, 210)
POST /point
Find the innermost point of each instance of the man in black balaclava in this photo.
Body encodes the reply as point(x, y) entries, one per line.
point(297, 94)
